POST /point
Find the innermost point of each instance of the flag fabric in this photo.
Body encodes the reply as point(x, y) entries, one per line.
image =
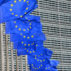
point(25, 29)
point(43, 53)
point(40, 55)
point(52, 66)
point(16, 9)
point(3, 1)
point(26, 33)
point(44, 66)
point(27, 47)
point(25, 25)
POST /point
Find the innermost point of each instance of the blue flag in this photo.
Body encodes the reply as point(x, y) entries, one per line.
point(48, 65)
point(37, 64)
point(26, 32)
point(27, 47)
point(24, 25)
point(16, 9)
point(52, 66)
point(40, 55)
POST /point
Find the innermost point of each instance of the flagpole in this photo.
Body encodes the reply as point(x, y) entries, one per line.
point(12, 56)
point(7, 52)
point(26, 63)
point(21, 63)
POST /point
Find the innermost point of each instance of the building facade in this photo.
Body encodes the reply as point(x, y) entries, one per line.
point(56, 20)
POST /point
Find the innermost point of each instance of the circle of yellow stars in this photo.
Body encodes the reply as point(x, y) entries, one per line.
point(28, 45)
point(37, 68)
point(12, 5)
point(38, 59)
point(19, 29)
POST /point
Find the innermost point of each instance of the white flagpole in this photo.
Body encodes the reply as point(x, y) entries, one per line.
point(26, 63)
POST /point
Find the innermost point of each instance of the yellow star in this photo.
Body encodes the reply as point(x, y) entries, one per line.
point(21, 16)
point(28, 44)
point(23, 29)
point(10, 9)
point(14, 21)
point(28, 37)
point(30, 52)
point(41, 64)
point(36, 45)
point(19, 29)
point(46, 68)
point(40, 60)
point(24, 36)
point(25, 13)
point(12, 13)
point(33, 51)
point(39, 67)
point(16, 26)
point(27, 8)
point(24, 0)
point(32, 36)
point(16, 15)
point(37, 60)
point(27, 4)
point(22, 42)
point(30, 27)
point(15, 1)
point(11, 4)
point(25, 48)
point(27, 1)
point(32, 64)
point(43, 59)
point(30, 23)
point(20, 33)
point(19, 0)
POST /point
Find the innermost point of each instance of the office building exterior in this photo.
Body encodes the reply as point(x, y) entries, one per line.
point(56, 20)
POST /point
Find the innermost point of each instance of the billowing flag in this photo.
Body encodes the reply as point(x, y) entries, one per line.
point(52, 66)
point(27, 47)
point(28, 28)
point(48, 65)
point(27, 24)
point(26, 32)
point(16, 9)
point(37, 64)
point(40, 55)
point(42, 64)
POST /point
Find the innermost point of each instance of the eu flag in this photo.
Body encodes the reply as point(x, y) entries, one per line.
point(27, 24)
point(16, 9)
point(27, 47)
point(52, 66)
point(44, 66)
point(37, 64)
point(40, 55)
